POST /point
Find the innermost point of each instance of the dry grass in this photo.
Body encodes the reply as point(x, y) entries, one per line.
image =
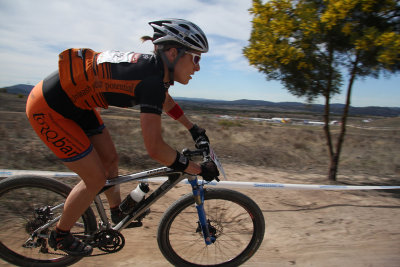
point(304, 228)
point(289, 147)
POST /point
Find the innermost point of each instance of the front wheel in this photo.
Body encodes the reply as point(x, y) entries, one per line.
point(27, 203)
point(234, 220)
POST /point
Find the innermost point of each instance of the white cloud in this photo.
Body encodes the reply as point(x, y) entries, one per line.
point(34, 32)
point(229, 19)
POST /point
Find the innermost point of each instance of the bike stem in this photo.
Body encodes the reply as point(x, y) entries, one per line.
point(198, 195)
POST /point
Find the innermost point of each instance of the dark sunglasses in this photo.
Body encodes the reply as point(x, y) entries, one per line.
point(195, 57)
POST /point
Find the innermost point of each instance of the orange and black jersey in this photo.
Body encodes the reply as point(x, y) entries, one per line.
point(62, 107)
point(90, 79)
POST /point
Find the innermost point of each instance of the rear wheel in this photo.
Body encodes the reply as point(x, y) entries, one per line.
point(27, 203)
point(234, 220)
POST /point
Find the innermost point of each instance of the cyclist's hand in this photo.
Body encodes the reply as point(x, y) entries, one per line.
point(209, 171)
point(198, 135)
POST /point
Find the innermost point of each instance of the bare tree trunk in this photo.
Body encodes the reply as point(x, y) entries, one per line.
point(327, 111)
point(326, 126)
point(335, 159)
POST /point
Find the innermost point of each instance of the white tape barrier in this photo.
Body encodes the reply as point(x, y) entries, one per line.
point(7, 173)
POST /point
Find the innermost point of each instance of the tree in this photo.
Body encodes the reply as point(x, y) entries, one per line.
point(309, 44)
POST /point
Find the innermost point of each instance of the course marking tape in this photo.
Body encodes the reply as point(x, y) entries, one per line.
point(7, 173)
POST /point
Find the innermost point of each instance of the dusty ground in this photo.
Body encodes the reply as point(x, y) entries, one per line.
point(303, 228)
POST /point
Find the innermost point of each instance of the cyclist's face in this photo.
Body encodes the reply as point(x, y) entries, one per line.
point(185, 68)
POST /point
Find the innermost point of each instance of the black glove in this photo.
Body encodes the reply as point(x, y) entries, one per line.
point(198, 134)
point(209, 171)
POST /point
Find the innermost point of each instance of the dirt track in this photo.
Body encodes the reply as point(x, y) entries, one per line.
point(303, 228)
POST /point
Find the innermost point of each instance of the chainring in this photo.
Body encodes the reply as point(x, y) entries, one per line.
point(110, 241)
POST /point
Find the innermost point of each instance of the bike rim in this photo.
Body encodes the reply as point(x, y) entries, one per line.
point(233, 226)
point(19, 220)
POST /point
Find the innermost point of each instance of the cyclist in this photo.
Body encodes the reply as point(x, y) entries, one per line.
point(62, 109)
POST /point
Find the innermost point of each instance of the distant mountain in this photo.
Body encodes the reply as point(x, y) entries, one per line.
point(282, 106)
point(335, 108)
point(23, 89)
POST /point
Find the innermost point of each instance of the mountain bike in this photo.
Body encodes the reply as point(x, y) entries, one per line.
point(206, 227)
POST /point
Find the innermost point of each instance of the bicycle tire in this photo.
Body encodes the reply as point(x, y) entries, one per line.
point(236, 219)
point(19, 196)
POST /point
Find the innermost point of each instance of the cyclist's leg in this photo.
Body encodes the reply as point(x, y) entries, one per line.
point(91, 170)
point(70, 143)
point(105, 148)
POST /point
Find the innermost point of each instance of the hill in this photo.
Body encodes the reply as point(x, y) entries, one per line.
point(291, 107)
point(23, 89)
point(245, 104)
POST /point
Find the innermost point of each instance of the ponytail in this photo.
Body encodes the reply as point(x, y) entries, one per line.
point(146, 38)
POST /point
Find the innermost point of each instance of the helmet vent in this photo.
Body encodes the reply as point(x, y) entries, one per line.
point(185, 26)
point(180, 31)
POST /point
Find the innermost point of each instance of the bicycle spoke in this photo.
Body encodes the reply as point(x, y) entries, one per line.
point(29, 209)
point(228, 221)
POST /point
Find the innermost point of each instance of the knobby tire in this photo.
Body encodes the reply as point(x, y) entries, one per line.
point(235, 219)
point(19, 197)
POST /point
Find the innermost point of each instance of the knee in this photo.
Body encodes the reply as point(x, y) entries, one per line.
point(93, 184)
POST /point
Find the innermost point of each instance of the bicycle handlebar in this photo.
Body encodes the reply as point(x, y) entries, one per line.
point(208, 154)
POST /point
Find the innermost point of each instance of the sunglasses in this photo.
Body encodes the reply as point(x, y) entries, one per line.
point(195, 57)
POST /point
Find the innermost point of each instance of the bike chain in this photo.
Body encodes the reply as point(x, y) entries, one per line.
point(91, 255)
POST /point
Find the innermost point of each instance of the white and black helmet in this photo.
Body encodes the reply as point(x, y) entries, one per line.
point(181, 32)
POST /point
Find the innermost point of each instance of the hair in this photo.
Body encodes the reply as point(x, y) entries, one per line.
point(146, 38)
point(165, 46)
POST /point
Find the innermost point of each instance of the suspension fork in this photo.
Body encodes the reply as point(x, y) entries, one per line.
point(198, 195)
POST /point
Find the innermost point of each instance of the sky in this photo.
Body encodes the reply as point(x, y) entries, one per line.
point(33, 33)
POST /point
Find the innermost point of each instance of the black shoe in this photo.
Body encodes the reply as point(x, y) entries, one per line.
point(69, 244)
point(117, 216)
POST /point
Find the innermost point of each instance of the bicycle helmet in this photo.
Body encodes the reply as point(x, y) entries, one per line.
point(181, 32)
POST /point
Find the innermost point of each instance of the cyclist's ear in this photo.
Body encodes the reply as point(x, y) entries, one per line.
point(171, 53)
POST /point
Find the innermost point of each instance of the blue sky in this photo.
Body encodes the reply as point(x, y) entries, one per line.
point(33, 33)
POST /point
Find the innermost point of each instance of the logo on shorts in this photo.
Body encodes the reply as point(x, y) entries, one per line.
point(52, 137)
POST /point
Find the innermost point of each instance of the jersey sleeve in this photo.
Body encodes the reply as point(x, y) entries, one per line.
point(150, 95)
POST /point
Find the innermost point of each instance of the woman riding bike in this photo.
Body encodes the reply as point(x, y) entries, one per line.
point(62, 111)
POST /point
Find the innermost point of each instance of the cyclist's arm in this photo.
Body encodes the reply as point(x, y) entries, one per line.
point(174, 111)
point(155, 145)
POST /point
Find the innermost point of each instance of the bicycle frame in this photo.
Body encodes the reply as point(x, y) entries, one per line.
point(174, 178)
point(178, 236)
